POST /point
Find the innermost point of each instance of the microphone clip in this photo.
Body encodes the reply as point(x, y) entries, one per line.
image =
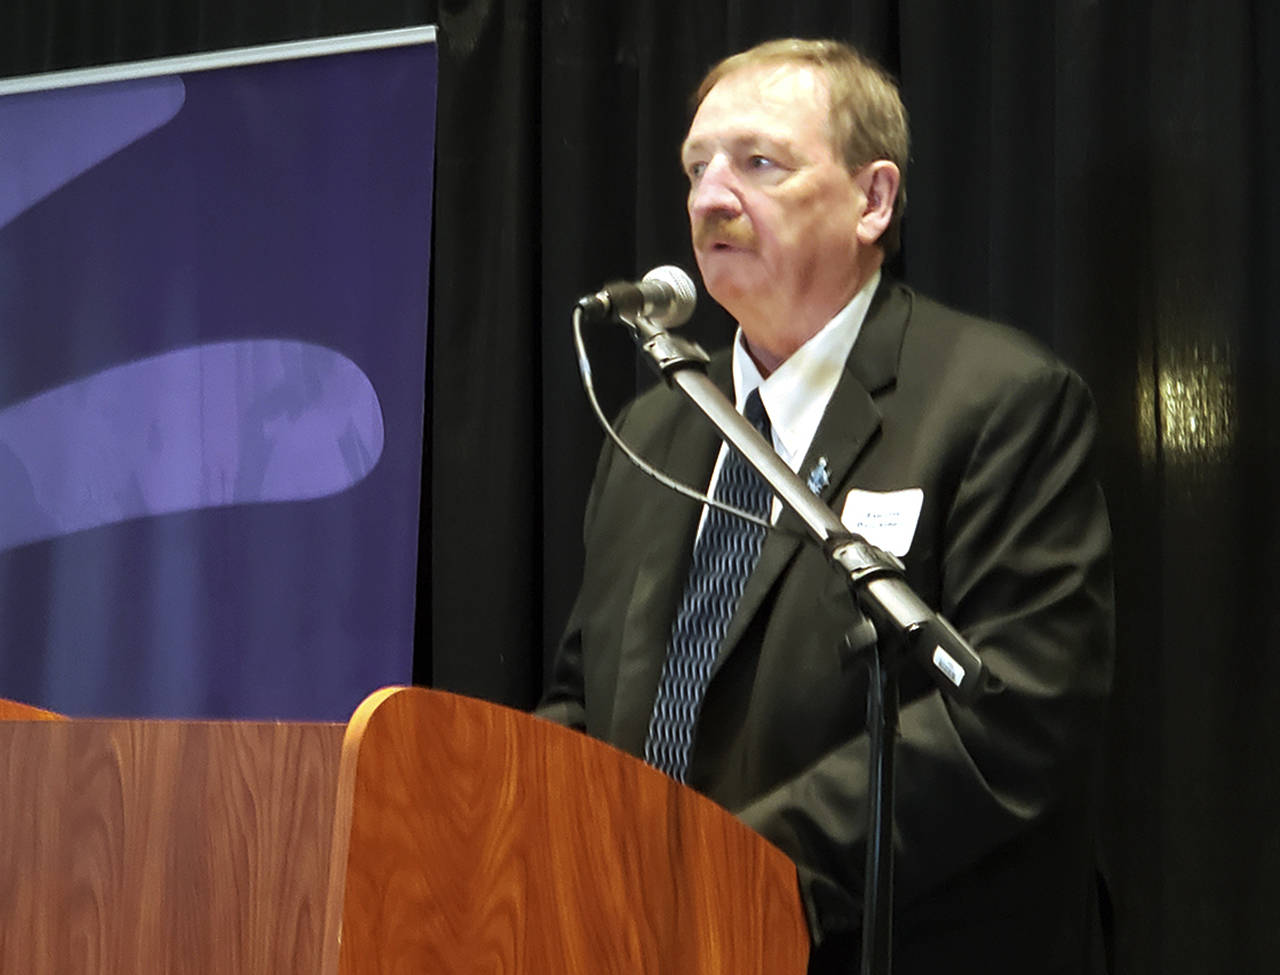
point(666, 352)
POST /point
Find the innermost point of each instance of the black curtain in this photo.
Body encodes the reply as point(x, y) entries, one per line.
point(1101, 174)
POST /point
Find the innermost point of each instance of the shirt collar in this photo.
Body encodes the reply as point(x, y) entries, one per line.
point(796, 394)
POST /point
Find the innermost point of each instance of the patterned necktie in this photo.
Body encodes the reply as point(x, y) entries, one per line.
point(723, 557)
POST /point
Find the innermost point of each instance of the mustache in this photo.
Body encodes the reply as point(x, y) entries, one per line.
point(734, 230)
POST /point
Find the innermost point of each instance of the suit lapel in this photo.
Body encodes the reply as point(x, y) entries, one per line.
point(849, 423)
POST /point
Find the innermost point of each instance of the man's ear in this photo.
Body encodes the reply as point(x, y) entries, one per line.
point(879, 184)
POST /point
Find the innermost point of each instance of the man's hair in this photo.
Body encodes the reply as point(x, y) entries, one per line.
point(867, 118)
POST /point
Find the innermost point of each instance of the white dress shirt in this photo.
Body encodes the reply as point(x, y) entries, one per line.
point(796, 394)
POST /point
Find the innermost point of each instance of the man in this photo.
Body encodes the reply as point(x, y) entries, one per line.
point(970, 441)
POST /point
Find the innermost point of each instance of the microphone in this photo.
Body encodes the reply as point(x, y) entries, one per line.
point(665, 296)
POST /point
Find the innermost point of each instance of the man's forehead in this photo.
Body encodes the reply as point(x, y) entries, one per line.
point(781, 85)
point(761, 101)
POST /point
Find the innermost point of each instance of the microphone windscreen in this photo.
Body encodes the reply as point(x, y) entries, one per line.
point(684, 294)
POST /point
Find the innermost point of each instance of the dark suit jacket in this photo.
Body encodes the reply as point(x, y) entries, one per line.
point(994, 811)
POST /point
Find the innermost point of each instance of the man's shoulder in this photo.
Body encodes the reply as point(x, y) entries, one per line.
point(957, 340)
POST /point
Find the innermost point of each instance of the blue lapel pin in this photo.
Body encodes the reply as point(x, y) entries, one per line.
point(818, 477)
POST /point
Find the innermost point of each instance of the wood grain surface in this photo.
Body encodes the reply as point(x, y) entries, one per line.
point(17, 711)
point(482, 840)
point(164, 847)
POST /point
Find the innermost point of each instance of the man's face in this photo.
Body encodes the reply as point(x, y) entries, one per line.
point(772, 208)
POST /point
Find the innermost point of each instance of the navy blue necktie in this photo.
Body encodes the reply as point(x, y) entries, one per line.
point(723, 557)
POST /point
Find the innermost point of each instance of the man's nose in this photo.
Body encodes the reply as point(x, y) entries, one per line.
point(715, 190)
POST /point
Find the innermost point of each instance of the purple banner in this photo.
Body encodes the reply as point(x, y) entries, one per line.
point(213, 314)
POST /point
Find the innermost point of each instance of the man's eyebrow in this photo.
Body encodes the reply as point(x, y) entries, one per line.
point(738, 143)
point(688, 146)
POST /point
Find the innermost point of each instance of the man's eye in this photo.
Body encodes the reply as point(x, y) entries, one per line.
point(760, 162)
point(694, 170)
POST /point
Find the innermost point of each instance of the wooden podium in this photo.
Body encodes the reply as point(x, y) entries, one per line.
point(431, 834)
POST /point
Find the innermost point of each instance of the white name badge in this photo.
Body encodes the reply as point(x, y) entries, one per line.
point(886, 519)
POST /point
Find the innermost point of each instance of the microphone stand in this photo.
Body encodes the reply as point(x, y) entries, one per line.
point(876, 581)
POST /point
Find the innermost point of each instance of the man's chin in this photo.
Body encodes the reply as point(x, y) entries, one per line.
point(726, 270)
point(729, 292)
